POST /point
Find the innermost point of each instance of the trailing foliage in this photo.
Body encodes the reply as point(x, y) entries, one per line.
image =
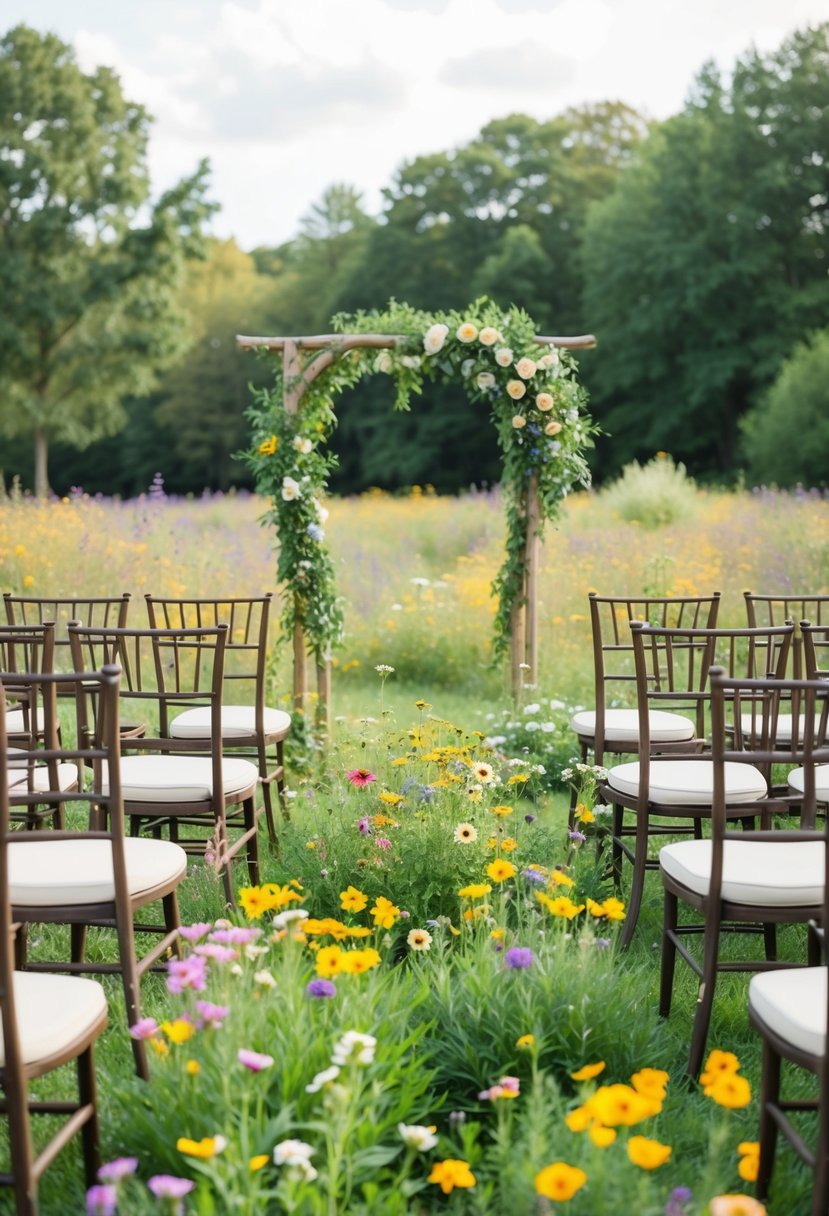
point(534, 401)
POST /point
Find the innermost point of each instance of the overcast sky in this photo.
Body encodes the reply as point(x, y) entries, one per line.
point(287, 96)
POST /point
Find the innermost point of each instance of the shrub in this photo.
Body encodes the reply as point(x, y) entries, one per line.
point(654, 494)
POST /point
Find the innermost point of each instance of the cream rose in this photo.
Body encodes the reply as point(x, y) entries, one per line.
point(519, 421)
point(549, 360)
point(290, 489)
point(384, 362)
point(434, 338)
point(544, 402)
point(301, 444)
point(489, 336)
point(503, 356)
point(485, 380)
point(553, 427)
point(516, 389)
point(526, 368)
point(466, 332)
point(411, 361)
point(466, 368)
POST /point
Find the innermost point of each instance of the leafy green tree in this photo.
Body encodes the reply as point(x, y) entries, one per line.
point(786, 436)
point(709, 259)
point(87, 283)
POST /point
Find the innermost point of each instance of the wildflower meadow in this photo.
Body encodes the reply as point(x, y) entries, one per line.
point(422, 1006)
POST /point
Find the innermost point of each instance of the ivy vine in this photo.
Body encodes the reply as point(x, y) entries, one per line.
point(534, 400)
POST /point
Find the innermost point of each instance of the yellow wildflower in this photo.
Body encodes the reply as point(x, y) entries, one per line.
point(500, 870)
point(205, 1148)
point(329, 961)
point(475, 890)
point(525, 1041)
point(178, 1031)
point(353, 900)
point(451, 1173)
point(390, 798)
point(588, 1071)
point(269, 446)
point(501, 811)
point(647, 1154)
point(749, 1152)
point(559, 1181)
point(384, 912)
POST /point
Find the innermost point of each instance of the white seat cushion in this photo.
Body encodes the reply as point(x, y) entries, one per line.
point(797, 781)
point(783, 734)
point(53, 1012)
point(19, 775)
point(16, 722)
point(689, 782)
point(48, 873)
point(148, 778)
point(622, 726)
point(793, 1004)
point(237, 721)
point(785, 874)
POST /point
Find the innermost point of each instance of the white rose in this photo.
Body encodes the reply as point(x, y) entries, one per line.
point(516, 389)
point(519, 421)
point(466, 368)
point(503, 356)
point(466, 332)
point(489, 336)
point(544, 402)
point(434, 338)
point(290, 489)
point(552, 428)
point(526, 368)
point(485, 380)
point(410, 361)
point(302, 444)
point(384, 362)
point(549, 360)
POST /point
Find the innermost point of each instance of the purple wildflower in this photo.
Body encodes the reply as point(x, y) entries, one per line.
point(426, 794)
point(577, 837)
point(534, 877)
point(679, 1197)
point(212, 1015)
point(530, 818)
point(167, 1186)
point(519, 958)
point(408, 784)
point(101, 1200)
point(253, 1060)
point(321, 988)
point(120, 1168)
point(601, 943)
point(185, 973)
point(192, 933)
point(364, 827)
point(144, 1028)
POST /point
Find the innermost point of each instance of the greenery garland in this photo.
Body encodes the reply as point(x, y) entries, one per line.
point(534, 400)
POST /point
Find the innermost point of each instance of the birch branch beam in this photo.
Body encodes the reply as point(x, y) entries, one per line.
point(343, 342)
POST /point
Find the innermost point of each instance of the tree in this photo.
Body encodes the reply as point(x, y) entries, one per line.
point(787, 435)
point(708, 261)
point(88, 285)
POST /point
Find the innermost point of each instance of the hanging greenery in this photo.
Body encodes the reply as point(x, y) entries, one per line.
point(532, 396)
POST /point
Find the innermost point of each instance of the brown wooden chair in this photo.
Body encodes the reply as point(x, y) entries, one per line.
point(47, 1020)
point(748, 878)
point(168, 783)
point(94, 875)
point(669, 789)
point(789, 1009)
point(611, 728)
point(109, 611)
point(766, 611)
point(249, 726)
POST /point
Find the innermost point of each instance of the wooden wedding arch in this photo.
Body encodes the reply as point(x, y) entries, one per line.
point(306, 357)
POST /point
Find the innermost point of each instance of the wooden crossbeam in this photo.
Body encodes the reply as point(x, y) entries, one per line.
point(342, 342)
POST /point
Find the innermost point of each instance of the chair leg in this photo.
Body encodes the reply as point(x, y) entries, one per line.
point(666, 983)
point(770, 941)
point(87, 1091)
point(21, 947)
point(172, 921)
point(249, 810)
point(22, 1149)
point(616, 848)
point(637, 885)
point(267, 799)
point(77, 937)
point(769, 1094)
point(223, 862)
point(820, 1195)
point(132, 993)
point(705, 997)
point(280, 781)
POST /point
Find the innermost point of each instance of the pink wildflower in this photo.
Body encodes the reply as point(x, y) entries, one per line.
point(360, 777)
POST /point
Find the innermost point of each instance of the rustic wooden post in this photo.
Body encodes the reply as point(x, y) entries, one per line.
point(524, 616)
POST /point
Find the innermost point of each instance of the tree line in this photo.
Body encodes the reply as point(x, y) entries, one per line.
point(696, 249)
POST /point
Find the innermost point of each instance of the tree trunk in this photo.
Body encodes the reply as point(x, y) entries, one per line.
point(41, 466)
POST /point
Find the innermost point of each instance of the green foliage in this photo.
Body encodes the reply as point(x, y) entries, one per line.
point(654, 495)
point(786, 437)
point(708, 260)
point(93, 288)
point(535, 403)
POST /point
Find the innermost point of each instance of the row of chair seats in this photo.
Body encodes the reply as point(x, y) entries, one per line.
point(71, 672)
point(726, 733)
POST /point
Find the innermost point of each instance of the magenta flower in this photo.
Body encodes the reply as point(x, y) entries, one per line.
point(360, 777)
point(236, 935)
point(183, 973)
point(254, 1060)
point(101, 1200)
point(120, 1168)
point(518, 958)
point(144, 1028)
point(219, 954)
point(167, 1186)
point(321, 988)
point(383, 842)
point(192, 933)
point(212, 1015)
point(364, 827)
